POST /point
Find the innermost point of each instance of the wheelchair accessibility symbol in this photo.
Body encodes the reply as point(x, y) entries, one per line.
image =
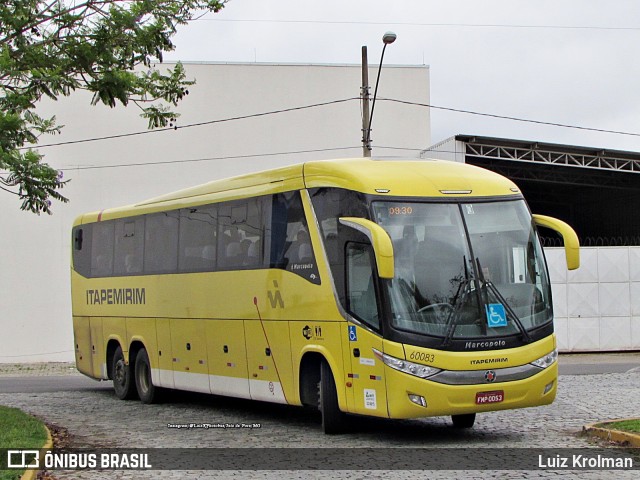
point(353, 336)
point(496, 315)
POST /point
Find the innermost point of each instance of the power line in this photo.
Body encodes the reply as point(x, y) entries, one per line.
point(231, 157)
point(333, 102)
point(209, 122)
point(9, 191)
point(34, 354)
point(206, 159)
point(401, 148)
point(515, 119)
point(419, 24)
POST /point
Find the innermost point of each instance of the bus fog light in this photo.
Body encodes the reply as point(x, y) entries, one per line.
point(418, 400)
point(548, 388)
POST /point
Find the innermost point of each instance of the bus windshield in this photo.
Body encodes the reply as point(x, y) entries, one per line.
point(465, 270)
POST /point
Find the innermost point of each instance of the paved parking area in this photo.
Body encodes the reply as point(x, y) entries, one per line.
point(96, 418)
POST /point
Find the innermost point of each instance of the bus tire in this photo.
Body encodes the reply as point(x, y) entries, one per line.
point(121, 373)
point(333, 420)
point(144, 384)
point(463, 421)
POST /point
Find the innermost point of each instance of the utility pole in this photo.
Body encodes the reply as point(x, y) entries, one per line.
point(367, 117)
point(364, 94)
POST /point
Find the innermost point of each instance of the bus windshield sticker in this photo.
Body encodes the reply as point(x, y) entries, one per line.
point(353, 335)
point(496, 315)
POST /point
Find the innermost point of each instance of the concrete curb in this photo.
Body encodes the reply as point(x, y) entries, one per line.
point(31, 474)
point(617, 436)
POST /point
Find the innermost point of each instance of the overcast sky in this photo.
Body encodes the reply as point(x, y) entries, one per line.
point(574, 62)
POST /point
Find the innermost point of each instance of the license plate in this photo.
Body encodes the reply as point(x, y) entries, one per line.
point(482, 398)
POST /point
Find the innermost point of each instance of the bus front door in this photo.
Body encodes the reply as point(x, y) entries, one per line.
point(367, 371)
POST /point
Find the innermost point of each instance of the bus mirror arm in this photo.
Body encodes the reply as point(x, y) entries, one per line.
point(571, 242)
point(380, 240)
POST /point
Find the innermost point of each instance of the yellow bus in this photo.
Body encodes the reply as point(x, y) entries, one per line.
point(397, 289)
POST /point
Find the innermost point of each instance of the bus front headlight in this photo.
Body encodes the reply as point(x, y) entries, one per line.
point(547, 360)
point(422, 371)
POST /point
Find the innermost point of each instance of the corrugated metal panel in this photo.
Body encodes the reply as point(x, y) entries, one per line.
point(597, 307)
point(448, 149)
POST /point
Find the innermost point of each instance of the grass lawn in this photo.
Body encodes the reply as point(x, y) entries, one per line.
point(18, 430)
point(632, 426)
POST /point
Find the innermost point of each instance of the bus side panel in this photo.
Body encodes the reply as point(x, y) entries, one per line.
point(347, 351)
point(227, 357)
point(82, 341)
point(269, 360)
point(98, 354)
point(143, 330)
point(323, 338)
point(163, 375)
point(189, 351)
point(368, 373)
point(115, 328)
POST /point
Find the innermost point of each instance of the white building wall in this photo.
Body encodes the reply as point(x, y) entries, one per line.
point(35, 322)
point(597, 307)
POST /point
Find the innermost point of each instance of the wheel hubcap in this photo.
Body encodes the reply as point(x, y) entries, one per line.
point(119, 374)
point(144, 378)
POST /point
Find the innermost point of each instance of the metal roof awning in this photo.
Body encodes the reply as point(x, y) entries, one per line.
point(550, 153)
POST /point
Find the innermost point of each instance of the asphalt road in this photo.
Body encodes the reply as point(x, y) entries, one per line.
point(58, 383)
point(598, 363)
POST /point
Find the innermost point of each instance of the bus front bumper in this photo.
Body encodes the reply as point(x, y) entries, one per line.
point(414, 397)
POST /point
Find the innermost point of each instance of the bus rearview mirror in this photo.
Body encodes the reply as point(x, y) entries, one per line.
point(571, 242)
point(380, 240)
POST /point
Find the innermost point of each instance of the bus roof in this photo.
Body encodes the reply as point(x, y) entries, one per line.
point(407, 178)
point(394, 178)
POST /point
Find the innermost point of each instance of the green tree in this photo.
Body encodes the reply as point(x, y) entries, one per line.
point(54, 47)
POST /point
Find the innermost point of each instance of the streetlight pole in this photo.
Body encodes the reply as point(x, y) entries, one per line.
point(367, 117)
point(364, 94)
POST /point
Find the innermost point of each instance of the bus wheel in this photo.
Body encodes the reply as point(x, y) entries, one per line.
point(122, 385)
point(464, 421)
point(333, 420)
point(144, 384)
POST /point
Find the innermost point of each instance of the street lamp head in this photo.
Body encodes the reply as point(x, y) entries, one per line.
point(389, 37)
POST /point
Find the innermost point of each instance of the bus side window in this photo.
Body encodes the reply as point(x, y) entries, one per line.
point(77, 238)
point(82, 249)
point(291, 248)
point(329, 205)
point(361, 294)
point(198, 239)
point(129, 245)
point(251, 230)
point(102, 249)
point(241, 234)
point(161, 242)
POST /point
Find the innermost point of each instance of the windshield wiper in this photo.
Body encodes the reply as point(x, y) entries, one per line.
point(459, 301)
